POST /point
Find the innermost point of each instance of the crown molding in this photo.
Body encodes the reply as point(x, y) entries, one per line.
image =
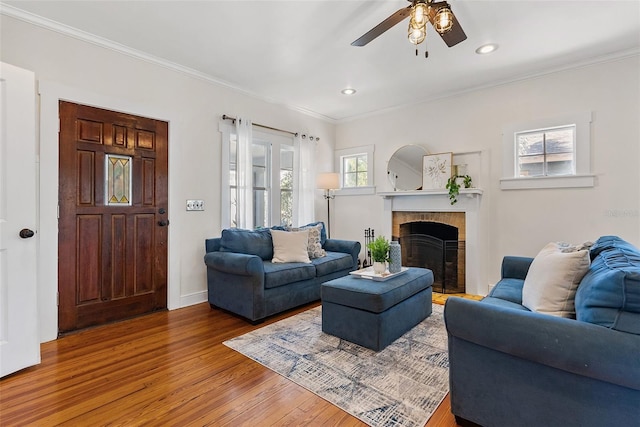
point(84, 36)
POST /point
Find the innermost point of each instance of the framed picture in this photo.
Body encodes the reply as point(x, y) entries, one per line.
point(436, 170)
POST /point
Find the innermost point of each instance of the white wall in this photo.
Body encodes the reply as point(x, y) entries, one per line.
point(79, 71)
point(519, 222)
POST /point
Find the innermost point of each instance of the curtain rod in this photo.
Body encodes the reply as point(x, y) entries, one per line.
point(225, 117)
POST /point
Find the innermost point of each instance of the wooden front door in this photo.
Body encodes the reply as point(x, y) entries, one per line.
point(112, 239)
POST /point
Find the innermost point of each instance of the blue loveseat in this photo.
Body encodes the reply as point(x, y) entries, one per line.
point(513, 367)
point(242, 279)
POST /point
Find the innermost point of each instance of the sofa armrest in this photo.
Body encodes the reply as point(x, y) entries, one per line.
point(212, 245)
point(515, 267)
point(350, 247)
point(235, 263)
point(578, 347)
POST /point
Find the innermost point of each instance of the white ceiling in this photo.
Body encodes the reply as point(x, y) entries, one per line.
point(298, 53)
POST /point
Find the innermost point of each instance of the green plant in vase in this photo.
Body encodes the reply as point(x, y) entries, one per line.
point(379, 249)
point(453, 185)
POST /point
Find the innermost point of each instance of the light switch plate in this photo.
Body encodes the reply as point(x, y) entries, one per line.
point(195, 205)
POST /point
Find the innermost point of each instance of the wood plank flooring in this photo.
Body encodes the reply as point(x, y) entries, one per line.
point(166, 368)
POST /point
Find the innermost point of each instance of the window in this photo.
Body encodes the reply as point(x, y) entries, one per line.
point(272, 165)
point(356, 170)
point(548, 153)
point(286, 185)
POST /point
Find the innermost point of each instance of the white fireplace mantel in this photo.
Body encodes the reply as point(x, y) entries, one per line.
point(438, 201)
point(469, 192)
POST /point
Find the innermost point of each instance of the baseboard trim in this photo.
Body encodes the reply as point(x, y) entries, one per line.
point(193, 298)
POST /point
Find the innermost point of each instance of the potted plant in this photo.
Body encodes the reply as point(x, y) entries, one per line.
point(454, 185)
point(379, 249)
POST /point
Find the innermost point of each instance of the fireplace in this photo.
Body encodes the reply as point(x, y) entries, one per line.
point(437, 241)
point(435, 246)
point(402, 207)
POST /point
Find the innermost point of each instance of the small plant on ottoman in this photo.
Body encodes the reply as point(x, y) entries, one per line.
point(379, 249)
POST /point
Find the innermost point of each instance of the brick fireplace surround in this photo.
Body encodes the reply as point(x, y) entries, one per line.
point(455, 219)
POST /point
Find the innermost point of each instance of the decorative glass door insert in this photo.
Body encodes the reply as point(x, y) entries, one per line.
point(118, 180)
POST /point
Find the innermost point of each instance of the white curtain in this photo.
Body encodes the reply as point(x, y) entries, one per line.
point(303, 182)
point(244, 173)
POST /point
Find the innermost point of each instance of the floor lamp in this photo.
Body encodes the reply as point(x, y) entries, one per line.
point(328, 181)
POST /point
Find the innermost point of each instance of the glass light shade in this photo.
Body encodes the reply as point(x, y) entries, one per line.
point(417, 35)
point(328, 181)
point(443, 20)
point(418, 15)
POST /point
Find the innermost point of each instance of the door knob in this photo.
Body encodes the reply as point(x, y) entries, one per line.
point(25, 233)
point(163, 223)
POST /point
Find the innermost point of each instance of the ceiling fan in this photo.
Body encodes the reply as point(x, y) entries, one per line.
point(421, 11)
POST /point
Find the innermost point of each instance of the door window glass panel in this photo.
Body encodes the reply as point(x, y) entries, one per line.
point(286, 186)
point(261, 183)
point(117, 180)
point(272, 180)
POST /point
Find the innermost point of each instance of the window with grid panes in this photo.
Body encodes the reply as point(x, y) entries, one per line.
point(354, 171)
point(546, 152)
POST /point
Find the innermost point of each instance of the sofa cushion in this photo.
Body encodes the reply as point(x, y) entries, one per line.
point(332, 262)
point(314, 247)
point(280, 274)
point(509, 290)
point(611, 242)
point(609, 294)
point(252, 242)
point(290, 246)
point(553, 278)
point(500, 302)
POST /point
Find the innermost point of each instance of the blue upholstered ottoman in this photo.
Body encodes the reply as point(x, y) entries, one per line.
point(374, 314)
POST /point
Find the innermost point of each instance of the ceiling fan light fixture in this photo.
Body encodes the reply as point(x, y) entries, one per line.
point(417, 35)
point(443, 20)
point(418, 15)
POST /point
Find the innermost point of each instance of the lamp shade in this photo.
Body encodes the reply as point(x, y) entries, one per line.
point(328, 181)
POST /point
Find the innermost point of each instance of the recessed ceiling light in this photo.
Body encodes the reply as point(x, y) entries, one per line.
point(348, 91)
point(486, 48)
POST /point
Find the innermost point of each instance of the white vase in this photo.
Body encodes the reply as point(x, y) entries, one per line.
point(379, 267)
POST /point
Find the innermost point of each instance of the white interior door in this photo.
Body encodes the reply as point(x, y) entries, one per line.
point(19, 341)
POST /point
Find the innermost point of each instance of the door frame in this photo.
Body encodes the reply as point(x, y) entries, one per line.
point(50, 94)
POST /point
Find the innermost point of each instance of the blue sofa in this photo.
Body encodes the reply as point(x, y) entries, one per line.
point(242, 279)
point(513, 367)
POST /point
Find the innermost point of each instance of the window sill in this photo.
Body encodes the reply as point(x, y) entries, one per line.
point(569, 181)
point(356, 191)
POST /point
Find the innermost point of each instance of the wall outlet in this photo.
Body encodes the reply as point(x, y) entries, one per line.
point(195, 205)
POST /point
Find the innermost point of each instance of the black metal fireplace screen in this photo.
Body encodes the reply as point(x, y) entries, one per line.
point(435, 246)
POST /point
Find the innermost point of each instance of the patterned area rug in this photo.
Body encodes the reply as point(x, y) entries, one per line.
point(400, 386)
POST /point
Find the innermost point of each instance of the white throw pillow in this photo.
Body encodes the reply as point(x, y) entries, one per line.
point(290, 246)
point(553, 278)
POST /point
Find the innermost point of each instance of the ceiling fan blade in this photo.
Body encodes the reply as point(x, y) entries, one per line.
point(456, 34)
point(385, 25)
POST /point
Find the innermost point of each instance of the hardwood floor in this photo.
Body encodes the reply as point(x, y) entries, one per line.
point(166, 368)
